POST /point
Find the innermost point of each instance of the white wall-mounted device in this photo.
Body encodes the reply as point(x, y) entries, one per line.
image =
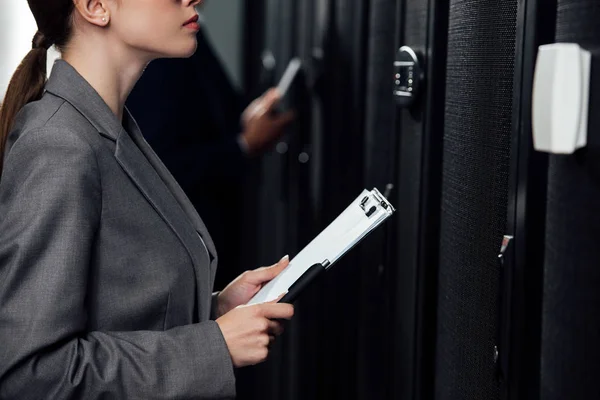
point(561, 92)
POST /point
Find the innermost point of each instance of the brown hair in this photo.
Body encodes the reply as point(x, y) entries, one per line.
point(53, 19)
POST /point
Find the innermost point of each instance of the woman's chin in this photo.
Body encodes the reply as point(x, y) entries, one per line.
point(184, 50)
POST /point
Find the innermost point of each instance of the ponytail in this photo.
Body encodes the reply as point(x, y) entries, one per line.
point(27, 85)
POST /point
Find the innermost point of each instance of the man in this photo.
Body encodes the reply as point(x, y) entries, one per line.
point(198, 124)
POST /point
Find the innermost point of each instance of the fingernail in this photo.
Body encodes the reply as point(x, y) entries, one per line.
point(284, 258)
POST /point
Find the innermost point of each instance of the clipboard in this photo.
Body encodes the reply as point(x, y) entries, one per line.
point(367, 212)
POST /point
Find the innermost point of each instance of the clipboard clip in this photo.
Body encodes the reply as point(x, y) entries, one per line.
point(364, 203)
point(381, 199)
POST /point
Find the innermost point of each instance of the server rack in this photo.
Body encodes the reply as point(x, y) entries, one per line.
point(520, 326)
point(305, 183)
point(422, 25)
point(570, 349)
point(449, 321)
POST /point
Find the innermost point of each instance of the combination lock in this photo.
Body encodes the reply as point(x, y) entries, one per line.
point(408, 76)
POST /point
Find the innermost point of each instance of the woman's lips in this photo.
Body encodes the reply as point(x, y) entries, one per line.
point(192, 23)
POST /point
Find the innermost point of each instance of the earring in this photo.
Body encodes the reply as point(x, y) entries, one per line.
point(103, 19)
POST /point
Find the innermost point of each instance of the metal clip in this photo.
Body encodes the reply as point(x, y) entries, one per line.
point(381, 199)
point(364, 202)
point(371, 211)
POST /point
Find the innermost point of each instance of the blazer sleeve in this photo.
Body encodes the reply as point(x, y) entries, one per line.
point(51, 207)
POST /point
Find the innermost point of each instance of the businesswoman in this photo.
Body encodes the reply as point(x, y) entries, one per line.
point(106, 270)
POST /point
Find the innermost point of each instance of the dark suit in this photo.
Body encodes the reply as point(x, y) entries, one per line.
point(106, 270)
point(190, 113)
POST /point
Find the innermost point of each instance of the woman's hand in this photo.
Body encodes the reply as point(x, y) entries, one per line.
point(250, 330)
point(245, 286)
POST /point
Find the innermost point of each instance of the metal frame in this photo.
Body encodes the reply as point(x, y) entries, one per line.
point(342, 97)
point(432, 194)
point(520, 333)
point(419, 215)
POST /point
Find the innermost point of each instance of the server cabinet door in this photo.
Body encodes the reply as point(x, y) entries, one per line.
point(273, 221)
point(522, 267)
point(423, 26)
point(377, 262)
point(307, 182)
point(570, 324)
point(339, 142)
point(476, 158)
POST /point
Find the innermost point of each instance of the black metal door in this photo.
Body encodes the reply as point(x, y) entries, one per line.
point(272, 219)
point(377, 261)
point(307, 180)
point(522, 269)
point(412, 275)
point(476, 165)
point(570, 327)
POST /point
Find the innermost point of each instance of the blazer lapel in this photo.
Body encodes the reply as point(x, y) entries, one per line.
point(137, 166)
point(169, 181)
point(144, 168)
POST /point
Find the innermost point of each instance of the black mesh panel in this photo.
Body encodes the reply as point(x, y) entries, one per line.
point(481, 54)
point(571, 310)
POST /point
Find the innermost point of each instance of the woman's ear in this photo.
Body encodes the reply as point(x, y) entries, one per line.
point(94, 11)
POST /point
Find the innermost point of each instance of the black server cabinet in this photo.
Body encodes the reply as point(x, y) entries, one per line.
point(341, 142)
point(550, 326)
point(377, 257)
point(475, 185)
point(519, 341)
point(570, 363)
point(307, 180)
point(271, 222)
point(423, 26)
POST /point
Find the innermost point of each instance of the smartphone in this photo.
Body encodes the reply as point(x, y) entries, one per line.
point(287, 81)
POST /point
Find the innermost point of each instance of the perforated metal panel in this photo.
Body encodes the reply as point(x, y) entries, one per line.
point(481, 54)
point(571, 323)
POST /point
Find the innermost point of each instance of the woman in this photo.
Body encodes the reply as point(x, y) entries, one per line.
point(106, 270)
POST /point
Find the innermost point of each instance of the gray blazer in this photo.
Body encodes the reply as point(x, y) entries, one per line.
point(106, 269)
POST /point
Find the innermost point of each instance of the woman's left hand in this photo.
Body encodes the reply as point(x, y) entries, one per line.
point(245, 286)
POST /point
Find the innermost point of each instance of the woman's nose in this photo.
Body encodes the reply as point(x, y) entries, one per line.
point(192, 3)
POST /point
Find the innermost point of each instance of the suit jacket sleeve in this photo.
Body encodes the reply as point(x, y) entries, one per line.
point(51, 207)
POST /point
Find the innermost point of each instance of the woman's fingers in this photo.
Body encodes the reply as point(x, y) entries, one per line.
point(275, 328)
point(249, 331)
point(277, 310)
point(267, 274)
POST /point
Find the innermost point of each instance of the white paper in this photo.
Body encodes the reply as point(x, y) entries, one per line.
point(349, 228)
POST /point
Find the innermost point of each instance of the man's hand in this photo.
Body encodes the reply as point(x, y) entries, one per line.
point(262, 126)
